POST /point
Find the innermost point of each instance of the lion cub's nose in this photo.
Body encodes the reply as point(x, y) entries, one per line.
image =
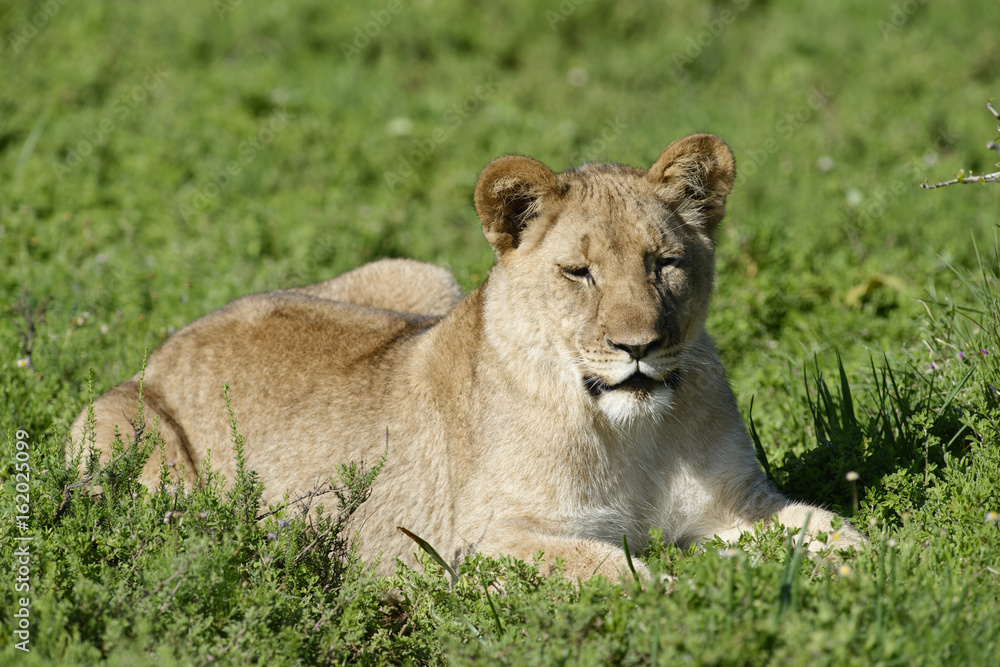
point(635, 350)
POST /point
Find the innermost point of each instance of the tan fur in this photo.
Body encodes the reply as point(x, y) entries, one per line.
point(572, 398)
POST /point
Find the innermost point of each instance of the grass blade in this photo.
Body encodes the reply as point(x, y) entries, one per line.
point(489, 600)
point(786, 597)
point(432, 552)
point(628, 556)
point(848, 419)
point(759, 446)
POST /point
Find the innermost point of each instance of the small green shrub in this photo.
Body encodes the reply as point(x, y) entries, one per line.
point(192, 574)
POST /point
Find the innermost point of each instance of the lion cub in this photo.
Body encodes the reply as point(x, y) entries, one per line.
point(571, 398)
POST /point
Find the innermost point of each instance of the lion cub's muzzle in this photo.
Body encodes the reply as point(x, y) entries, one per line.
point(646, 369)
point(637, 383)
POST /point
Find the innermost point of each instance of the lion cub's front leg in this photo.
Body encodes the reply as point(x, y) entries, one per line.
point(817, 520)
point(581, 558)
point(796, 516)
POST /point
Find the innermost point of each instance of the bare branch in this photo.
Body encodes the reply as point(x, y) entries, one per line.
point(86, 481)
point(316, 542)
point(32, 316)
point(306, 497)
point(961, 177)
point(992, 145)
point(985, 178)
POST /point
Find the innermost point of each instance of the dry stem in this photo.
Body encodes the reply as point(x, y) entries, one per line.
point(961, 177)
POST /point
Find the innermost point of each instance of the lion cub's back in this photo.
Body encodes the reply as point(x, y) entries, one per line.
point(299, 333)
point(403, 285)
point(304, 373)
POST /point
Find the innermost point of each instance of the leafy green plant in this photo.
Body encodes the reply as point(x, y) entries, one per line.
point(136, 571)
point(123, 218)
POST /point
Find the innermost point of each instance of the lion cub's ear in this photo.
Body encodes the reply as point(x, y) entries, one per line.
point(508, 196)
point(696, 173)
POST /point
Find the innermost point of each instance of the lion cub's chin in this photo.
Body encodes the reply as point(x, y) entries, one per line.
point(628, 406)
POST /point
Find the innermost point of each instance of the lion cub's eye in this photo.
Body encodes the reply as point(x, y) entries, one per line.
point(581, 273)
point(667, 262)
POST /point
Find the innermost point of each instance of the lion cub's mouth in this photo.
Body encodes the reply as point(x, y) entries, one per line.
point(637, 383)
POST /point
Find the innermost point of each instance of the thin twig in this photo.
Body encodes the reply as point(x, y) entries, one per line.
point(967, 180)
point(992, 145)
point(235, 638)
point(32, 317)
point(178, 574)
point(316, 491)
point(87, 480)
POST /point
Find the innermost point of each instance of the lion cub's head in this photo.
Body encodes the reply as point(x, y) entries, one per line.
point(604, 273)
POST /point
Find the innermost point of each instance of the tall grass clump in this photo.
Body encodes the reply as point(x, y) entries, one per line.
point(190, 573)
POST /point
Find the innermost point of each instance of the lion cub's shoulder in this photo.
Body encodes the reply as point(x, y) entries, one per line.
point(402, 285)
point(365, 308)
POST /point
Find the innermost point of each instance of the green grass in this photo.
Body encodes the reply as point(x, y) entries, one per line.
point(160, 159)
